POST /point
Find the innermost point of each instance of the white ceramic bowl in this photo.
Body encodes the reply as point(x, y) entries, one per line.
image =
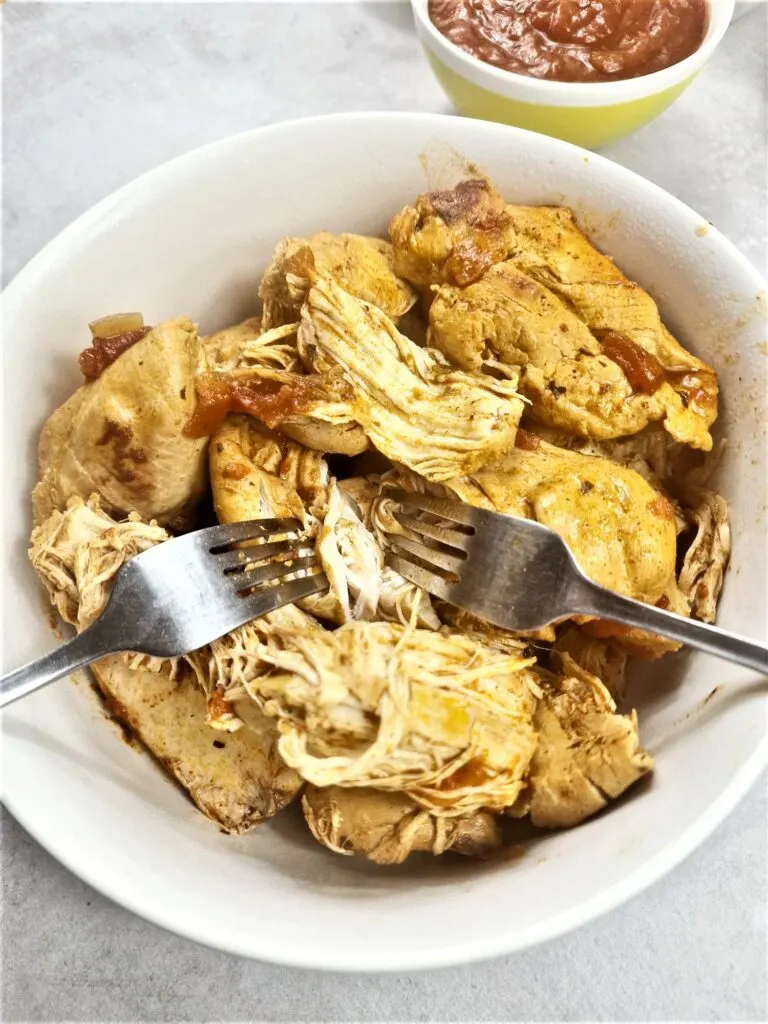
point(192, 237)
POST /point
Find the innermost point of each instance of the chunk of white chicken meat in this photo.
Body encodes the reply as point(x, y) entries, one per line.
point(388, 827)
point(361, 265)
point(586, 754)
point(599, 384)
point(122, 435)
point(438, 716)
point(414, 408)
point(237, 781)
point(452, 236)
point(701, 577)
point(552, 249)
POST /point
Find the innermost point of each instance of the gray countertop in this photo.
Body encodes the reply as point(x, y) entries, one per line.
point(94, 95)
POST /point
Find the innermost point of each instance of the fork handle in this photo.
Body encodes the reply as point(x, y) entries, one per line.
point(595, 600)
point(86, 647)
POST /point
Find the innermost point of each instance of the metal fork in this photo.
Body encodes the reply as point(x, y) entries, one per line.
point(520, 575)
point(184, 594)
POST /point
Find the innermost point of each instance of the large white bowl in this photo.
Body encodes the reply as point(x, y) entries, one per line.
point(192, 237)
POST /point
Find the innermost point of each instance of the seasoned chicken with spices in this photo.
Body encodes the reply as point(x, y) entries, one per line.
point(571, 377)
point(121, 436)
point(453, 236)
point(360, 265)
point(558, 255)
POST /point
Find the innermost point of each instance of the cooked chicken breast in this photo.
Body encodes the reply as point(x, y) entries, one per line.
point(571, 378)
point(388, 827)
point(586, 754)
point(122, 435)
point(551, 249)
point(235, 779)
point(257, 473)
point(606, 659)
point(362, 266)
point(621, 531)
point(452, 237)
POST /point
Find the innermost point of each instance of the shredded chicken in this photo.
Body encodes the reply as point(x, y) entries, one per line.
point(245, 346)
point(605, 659)
point(437, 716)
point(77, 553)
point(701, 577)
point(388, 827)
point(414, 408)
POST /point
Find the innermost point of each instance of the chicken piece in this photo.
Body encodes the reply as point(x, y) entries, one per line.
point(388, 827)
point(452, 237)
point(701, 577)
point(586, 755)
point(245, 345)
point(258, 474)
point(399, 599)
point(437, 716)
point(121, 435)
point(621, 531)
point(413, 407)
point(508, 318)
point(362, 266)
point(331, 438)
point(558, 255)
point(352, 562)
point(238, 781)
point(606, 659)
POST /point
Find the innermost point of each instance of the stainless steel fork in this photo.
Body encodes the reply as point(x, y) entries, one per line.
point(518, 574)
point(184, 594)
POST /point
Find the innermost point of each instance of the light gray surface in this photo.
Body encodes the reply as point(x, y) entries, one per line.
point(96, 94)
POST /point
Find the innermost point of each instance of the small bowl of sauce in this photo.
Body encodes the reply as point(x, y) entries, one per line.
point(588, 71)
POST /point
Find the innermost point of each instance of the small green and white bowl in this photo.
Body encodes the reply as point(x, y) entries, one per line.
point(590, 114)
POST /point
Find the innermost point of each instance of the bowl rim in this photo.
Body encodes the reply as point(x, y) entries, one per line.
point(572, 94)
point(503, 941)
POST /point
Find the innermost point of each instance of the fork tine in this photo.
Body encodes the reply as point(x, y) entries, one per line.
point(226, 560)
point(432, 556)
point(270, 598)
point(446, 508)
point(428, 581)
point(233, 533)
point(451, 538)
point(271, 571)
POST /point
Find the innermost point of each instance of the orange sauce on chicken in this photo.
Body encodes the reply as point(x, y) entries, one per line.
point(271, 401)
